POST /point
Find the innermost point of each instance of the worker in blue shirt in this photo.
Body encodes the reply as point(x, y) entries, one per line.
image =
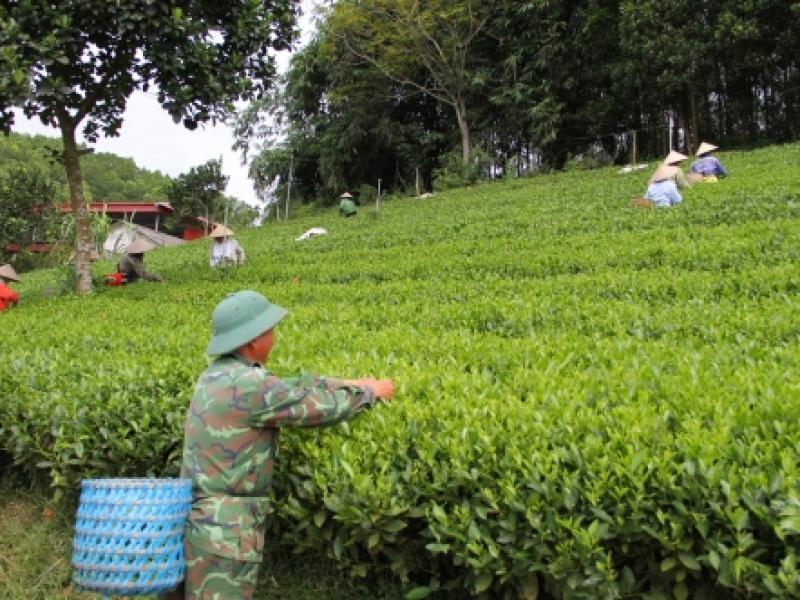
point(707, 165)
point(662, 190)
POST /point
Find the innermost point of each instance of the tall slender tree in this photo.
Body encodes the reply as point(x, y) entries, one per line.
point(398, 37)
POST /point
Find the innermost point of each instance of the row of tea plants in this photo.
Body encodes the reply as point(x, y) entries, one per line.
point(592, 400)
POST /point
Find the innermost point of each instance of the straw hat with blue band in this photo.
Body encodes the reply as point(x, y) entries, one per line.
point(240, 318)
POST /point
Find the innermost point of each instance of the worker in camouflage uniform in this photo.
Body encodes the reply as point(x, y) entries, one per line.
point(231, 440)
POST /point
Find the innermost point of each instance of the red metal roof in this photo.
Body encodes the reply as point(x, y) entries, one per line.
point(35, 247)
point(119, 208)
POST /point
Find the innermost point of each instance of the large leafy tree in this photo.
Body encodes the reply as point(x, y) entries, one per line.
point(74, 63)
point(27, 211)
point(342, 125)
point(400, 37)
point(199, 192)
point(554, 74)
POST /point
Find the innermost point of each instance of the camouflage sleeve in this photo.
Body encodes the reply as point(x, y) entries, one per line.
point(309, 401)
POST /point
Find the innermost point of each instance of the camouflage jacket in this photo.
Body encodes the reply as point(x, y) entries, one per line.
point(231, 440)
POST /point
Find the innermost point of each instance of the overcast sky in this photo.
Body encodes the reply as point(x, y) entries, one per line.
point(154, 142)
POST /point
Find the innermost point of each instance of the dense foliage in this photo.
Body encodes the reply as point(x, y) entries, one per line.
point(107, 177)
point(593, 400)
point(27, 213)
point(392, 87)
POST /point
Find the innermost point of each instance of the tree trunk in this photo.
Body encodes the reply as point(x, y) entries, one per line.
point(694, 141)
point(83, 230)
point(463, 127)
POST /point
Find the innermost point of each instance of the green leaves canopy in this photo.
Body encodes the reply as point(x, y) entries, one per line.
point(198, 192)
point(82, 59)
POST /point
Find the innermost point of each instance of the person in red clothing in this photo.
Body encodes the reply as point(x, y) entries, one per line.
point(7, 295)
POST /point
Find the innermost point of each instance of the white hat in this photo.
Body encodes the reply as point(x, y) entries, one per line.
point(664, 172)
point(705, 148)
point(8, 272)
point(346, 195)
point(220, 231)
point(674, 157)
point(139, 246)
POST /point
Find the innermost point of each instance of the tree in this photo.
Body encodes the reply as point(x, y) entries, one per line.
point(198, 192)
point(74, 63)
point(555, 72)
point(342, 124)
point(398, 36)
point(27, 211)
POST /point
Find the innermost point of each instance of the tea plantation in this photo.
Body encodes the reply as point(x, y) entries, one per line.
point(593, 400)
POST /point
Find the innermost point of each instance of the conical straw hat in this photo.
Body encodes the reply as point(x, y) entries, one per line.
point(220, 231)
point(346, 195)
point(664, 172)
point(705, 148)
point(139, 246)
point(8, 272)
point(674, 157)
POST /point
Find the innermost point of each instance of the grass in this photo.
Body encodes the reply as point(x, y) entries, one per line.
point(36, 547)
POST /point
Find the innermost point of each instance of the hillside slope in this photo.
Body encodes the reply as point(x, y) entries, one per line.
point(592, 398)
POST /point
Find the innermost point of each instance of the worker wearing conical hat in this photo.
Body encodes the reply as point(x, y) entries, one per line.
point(224, 249)
point(707, 165)
point(131, 265)
point(662, 190)
point(7, 295)
point(347, 207)
point(675, 158)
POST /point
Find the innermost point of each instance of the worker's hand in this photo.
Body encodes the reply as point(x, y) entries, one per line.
point(382, 388)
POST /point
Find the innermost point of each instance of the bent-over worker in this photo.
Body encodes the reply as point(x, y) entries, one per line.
point(707, 165)
point(131, 265)
point(662, 190)
point(8, 296)
point(675, 158)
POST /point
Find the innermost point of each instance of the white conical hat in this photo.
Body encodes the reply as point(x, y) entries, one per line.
point(346, 195)
point(139, 245)
point(664, 172)
point(8, 272)
point(220, 231)
point(705, 148)
point(674, 157)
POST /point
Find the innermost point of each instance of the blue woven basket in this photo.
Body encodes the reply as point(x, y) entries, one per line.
point(129, 535)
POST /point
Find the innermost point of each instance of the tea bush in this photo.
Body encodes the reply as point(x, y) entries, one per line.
point(593, 400)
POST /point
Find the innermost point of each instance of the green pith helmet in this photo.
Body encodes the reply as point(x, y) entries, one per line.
point(240, 318)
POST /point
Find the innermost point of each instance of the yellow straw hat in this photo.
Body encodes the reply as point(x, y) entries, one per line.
point(139, 246)
point(674, 157)
point(705, 148)
point(220, 231)
point(8, 272)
